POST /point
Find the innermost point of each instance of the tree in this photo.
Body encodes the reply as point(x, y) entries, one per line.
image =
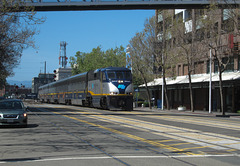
point(77, 63)
point(16, 34)
point(141, 61)
point(83, 62)
point(187, 47)
point(165, 52)
point(141, 48)
point(221, 25)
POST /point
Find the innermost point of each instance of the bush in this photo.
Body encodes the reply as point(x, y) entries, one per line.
point(146, 104)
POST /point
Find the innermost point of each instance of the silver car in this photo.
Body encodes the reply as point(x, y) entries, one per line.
point(13, 112)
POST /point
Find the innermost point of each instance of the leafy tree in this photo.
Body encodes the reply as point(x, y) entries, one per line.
point(97, 58)
point(141, 48)
point(116, 57)
point(16, 34)
point(77, 63)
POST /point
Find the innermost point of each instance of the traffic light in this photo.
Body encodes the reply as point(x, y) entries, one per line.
point(55, 75)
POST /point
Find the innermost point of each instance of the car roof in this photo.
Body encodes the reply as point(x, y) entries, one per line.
point(11, 100)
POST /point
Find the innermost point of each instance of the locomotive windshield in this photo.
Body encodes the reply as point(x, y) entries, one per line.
point(119, 75)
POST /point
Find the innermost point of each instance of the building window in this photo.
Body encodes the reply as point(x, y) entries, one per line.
point(199, 34)
point(199, 13)
point(179, 70)
point(179, 16)
point(185, 69)
point(188, 14)
point(228, 26)
point(199, 67)
point(208, 67)
point(215, 66)
point(239, 63)
point(160, 17)
point(230, 65)
point(168, 22)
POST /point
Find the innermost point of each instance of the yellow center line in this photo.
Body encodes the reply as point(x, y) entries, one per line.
point(155, 143)
point(232, 150)
point(163, 131)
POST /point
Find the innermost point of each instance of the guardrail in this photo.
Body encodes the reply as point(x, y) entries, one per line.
point(61, 5)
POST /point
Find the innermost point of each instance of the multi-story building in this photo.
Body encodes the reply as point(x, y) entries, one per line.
point(62, 73)
point(229, 43)
point(42, 79)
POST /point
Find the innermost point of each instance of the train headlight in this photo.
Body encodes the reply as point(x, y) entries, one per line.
point(113, 93)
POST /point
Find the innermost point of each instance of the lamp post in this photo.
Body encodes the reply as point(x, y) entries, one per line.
point(210, 82)
point(127, 58)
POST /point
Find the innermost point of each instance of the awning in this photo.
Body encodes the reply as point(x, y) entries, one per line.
point(196, 78)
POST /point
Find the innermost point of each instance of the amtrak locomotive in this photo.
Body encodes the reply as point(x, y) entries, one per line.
point(107, 88)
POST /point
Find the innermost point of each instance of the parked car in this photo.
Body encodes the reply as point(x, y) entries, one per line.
point(13, 112)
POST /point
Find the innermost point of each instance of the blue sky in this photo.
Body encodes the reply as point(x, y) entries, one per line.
point(82, 30)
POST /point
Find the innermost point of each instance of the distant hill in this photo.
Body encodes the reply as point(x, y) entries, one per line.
point(28, 84)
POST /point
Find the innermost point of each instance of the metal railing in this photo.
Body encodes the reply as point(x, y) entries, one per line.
point(61, 5)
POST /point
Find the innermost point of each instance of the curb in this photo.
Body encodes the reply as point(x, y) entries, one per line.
point(197, 112)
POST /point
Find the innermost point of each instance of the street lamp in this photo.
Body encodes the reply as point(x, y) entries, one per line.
point(128, 57)
point(162, 83)
point(210, 81)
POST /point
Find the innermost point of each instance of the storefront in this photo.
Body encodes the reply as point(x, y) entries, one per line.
point(178, 91)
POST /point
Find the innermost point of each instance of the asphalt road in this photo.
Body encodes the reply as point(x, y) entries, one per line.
point(69, 135)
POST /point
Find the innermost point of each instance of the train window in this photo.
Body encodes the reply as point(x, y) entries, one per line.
point(127, 75)
point(111, 75)
point(104, 76)
point(119, 75)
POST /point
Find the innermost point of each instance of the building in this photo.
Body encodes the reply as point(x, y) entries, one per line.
point(42, 79)
point(14, 91)
point(227, 30)
point(62, 73)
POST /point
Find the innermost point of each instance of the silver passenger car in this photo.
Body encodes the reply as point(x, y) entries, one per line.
point(13, 112)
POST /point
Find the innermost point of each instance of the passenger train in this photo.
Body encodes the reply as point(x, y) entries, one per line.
point(108, 88)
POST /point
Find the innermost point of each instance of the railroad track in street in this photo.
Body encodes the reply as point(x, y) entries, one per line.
point(69, 134)
point(218, 142)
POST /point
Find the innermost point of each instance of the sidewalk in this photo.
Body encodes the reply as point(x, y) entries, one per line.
point(188, 112)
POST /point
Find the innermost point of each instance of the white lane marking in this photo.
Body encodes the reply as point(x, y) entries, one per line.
point(206, 139)
point(123, 157)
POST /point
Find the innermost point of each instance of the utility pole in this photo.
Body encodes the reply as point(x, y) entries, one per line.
point(210, 82)
point(45, 72)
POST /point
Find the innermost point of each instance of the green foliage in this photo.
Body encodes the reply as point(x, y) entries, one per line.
point(137, 80)
point(98, 58)
point(17, 32)
point(141, 48)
